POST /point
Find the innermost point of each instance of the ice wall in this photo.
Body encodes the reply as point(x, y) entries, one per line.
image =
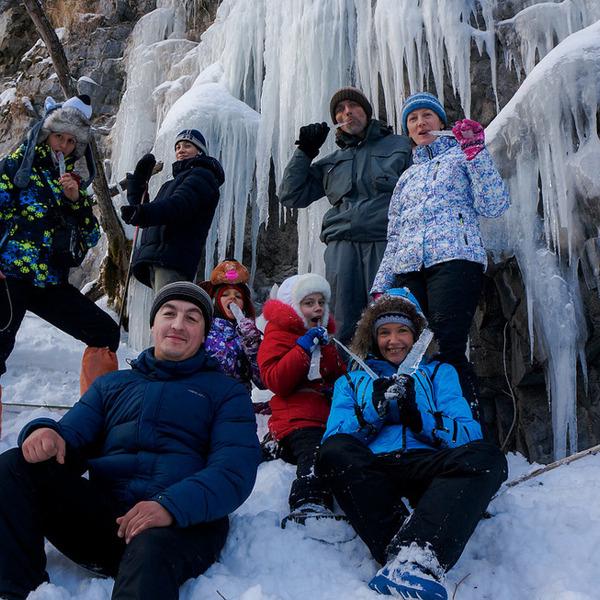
point(266, 67)
point(540, 27)
point(548, 133)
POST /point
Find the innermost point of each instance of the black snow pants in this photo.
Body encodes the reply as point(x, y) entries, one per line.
point(448, 294)
point(448, 489)
point(301, 448)
point(52, 501)
point(350, 269)
point(62, 305)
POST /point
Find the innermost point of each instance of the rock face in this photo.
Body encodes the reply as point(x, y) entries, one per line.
point(95, 35)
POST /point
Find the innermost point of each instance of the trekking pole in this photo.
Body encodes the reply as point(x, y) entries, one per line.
point(563, 461)
point(158, 167)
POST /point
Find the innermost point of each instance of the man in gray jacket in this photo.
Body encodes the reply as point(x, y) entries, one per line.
point(358, 181)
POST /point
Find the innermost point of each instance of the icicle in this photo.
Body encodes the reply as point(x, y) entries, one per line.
point(553, 137)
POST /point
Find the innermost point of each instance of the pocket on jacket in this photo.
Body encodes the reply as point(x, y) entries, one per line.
point(386, 168)
point(338, 180)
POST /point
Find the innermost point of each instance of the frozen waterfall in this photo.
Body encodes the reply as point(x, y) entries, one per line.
point(266, 67)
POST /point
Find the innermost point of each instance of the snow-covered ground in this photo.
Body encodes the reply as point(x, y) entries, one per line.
point(540, 543)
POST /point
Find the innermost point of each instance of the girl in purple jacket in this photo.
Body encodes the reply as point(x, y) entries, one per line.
point(233, 339)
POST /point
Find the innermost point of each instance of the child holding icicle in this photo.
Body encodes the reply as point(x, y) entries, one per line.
point(233, 339)
point(299, 365)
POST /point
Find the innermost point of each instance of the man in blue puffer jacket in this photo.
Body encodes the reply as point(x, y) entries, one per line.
point(171, 450)
point(409, 436)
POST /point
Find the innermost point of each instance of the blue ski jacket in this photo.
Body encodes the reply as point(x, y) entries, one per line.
point(180, 433)
point(447, 418)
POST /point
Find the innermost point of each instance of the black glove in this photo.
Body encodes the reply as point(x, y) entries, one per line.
point(312, 137)
point(128, 214)
point(378, 396)
point(137, 182)
point(144, 167)
point(403, 404)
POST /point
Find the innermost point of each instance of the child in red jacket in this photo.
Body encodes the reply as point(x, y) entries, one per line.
point(299, 365)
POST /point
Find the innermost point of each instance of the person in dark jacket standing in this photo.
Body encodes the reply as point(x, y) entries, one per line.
point(47, 225)
point(176, 223)
point(358, 180)
point(410, 436)
point(171, 450)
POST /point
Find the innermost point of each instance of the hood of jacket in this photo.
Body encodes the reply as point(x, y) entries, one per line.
point(200, 160)
point(284, 317)
point(375, 129)
point(364, 342)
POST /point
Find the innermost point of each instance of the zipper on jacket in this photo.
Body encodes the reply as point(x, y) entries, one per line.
point(462, 224)
point(435, 169)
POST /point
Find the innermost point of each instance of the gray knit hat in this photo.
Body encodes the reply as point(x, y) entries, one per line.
point(350, 93)
point(184, 290)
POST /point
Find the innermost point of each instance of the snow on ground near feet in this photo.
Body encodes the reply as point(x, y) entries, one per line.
point(539, 544)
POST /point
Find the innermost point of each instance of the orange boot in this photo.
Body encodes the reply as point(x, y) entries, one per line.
point(95, 362)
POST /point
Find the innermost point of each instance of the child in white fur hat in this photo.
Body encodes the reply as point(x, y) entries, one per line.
point(296, 335)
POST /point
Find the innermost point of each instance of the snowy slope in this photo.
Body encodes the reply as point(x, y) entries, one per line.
point(540, 543)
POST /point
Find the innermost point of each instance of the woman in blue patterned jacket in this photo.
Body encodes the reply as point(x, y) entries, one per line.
point(411, 436)
point(434, 243)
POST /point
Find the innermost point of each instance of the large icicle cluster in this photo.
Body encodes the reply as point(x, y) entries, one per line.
point(266, 67)
point(548, 133)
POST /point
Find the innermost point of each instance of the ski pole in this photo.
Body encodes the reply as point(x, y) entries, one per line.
point(158, 167)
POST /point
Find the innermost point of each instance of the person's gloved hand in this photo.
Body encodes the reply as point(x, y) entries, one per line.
point(249, 332)
point(137, 182)
point(128, 214)
point(312, 137)
point(379, 396)
point(144, 167)
point(403, 407)
point(470, 136)
point(315, 335)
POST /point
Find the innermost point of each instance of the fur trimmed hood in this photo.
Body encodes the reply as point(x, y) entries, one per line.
point(297, 287)
point(395, 300)
point(283, 316)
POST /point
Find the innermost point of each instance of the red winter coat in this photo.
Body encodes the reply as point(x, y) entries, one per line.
point(284, 366)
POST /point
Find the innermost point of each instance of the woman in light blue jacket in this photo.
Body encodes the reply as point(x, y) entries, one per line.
point(411, 436)
point(434, 243)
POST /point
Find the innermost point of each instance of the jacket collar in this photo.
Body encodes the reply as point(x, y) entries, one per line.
point(200, 160)
point(165, 370)
point(375, 129)
point(442, 144)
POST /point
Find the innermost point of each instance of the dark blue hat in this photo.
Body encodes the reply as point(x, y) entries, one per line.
point(193, 136)
point(422, 100)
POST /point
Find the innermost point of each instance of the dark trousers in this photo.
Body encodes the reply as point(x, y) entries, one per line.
point(449, 490)
point(63, 305)
point(350, 268)
point(301, 448)
point(448, 294)
point(52, 501)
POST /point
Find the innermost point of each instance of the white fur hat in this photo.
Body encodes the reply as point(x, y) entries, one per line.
point(297, 287)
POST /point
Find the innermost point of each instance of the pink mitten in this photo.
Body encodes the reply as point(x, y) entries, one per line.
point(470, 136)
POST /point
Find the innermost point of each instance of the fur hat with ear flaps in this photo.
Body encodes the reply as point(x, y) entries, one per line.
point(73, 117)
point(396, 301)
